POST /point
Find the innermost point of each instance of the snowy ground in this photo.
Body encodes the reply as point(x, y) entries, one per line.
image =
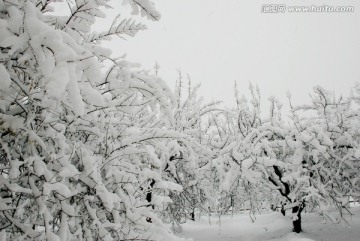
point(271, 226)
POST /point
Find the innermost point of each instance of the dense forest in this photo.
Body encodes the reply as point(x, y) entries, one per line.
point(92, 148)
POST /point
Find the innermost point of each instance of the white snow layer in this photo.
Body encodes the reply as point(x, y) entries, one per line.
point(270, 226)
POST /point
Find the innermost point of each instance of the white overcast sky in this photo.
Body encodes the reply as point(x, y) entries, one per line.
point(219, 41)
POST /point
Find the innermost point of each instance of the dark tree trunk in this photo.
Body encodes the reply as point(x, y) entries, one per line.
point(284, 189)
point(149, 197)
point(149, 193)
point(282, 210)
point(192, 216)
point(297, 223)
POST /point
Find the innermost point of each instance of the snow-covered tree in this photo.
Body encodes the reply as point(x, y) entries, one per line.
point(83, 136)
point(311, 161)
point(235, 192)
point(186, 164)
point(330, 139)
